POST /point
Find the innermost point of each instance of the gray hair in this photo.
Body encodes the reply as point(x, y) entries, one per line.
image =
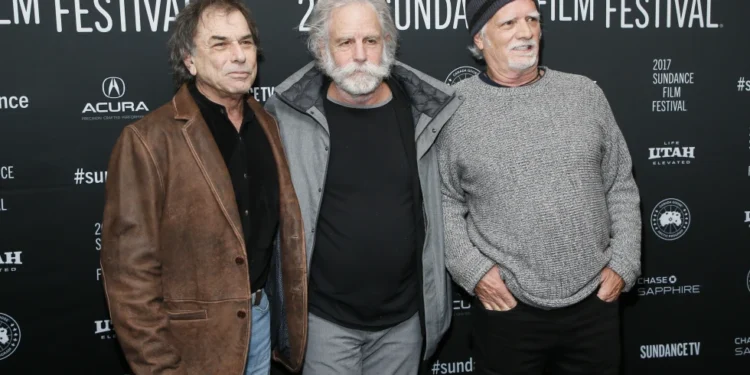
point(319, 23)
point(181, 43)
point(475, 51)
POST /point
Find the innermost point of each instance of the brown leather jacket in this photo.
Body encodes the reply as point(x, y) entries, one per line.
point(173, 255)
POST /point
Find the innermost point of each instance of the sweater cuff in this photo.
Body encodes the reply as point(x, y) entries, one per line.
point(476, 265)
point(628, 273)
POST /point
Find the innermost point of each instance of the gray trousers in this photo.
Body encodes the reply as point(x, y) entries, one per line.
point(336, 350)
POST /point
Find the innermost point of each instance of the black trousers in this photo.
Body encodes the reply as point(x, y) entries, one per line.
point(580, 339)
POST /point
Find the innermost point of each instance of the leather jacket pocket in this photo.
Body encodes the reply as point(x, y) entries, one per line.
point(187, 315)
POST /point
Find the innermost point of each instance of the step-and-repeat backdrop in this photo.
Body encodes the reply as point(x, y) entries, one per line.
point(73, 73)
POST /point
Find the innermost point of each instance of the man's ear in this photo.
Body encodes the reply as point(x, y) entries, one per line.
point(188, 61)
point(478, 41)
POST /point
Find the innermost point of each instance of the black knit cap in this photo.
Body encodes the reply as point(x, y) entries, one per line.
point(478, 12)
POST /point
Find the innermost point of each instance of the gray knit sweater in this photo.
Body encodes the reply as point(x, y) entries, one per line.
point(537, 179)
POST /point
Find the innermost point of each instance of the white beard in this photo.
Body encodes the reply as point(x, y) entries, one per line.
point(525, 61)
point(362, 83)
point(358, 79)
point(522, 63)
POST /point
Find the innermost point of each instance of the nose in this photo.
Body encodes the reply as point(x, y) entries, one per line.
point(360, 55)
point(238, 54)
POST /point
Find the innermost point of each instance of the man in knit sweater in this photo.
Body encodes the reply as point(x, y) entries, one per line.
point(541, 210)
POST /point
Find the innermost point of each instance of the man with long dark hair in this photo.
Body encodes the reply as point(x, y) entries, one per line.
point(199, 202)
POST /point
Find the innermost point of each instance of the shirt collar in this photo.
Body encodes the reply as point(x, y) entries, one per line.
point(204, 104)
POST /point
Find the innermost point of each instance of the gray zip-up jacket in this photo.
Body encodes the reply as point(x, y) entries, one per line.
point(298, 107)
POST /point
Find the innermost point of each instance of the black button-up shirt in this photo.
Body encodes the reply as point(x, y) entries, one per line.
point(252, 168)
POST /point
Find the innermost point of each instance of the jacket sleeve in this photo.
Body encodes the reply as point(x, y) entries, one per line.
point(271, 107)
point(465, 262)
point(622, 196)
point(130, 262)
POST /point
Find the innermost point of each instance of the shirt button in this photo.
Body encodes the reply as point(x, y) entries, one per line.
point(326, 148)
point(434, 130)
point(239, 260)
point(241, 314)
point(313, 231)
point(247, 212)
point(246, 176)
point(240, 138)
point(319, 190)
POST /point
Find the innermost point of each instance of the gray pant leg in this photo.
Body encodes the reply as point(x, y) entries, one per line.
point(332, 349)
point(394, 351)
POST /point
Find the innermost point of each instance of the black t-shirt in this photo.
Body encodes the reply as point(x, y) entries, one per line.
point(249, 159)
point(364, 273)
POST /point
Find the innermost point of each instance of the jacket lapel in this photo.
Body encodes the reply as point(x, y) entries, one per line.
point(208, 157)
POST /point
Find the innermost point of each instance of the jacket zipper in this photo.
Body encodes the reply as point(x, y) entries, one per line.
point(320, 195)
point(325, 173)
point(320, 200)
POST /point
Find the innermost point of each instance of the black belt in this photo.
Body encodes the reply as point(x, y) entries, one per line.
point(258, 296)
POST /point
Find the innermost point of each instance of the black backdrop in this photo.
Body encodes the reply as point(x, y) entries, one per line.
point(74, 72)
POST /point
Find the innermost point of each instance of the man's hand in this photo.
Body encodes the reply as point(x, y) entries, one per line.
point(611, 285)
point(493, 293)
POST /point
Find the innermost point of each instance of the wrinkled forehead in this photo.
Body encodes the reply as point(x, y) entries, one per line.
point(354, 20)
point(516, 10)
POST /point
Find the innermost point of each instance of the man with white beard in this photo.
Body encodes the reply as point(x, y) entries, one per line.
point(358, 130)
point(542, 215)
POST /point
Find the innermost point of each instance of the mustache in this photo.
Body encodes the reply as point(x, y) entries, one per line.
point(367, 68)
point(528, 43)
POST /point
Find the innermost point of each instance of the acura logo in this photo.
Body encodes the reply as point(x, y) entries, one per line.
point(113, 87)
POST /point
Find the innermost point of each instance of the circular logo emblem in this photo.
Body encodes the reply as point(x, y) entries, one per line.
point(10, 336)
point(670, 219)
point(461, 73)
point(113, 87)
